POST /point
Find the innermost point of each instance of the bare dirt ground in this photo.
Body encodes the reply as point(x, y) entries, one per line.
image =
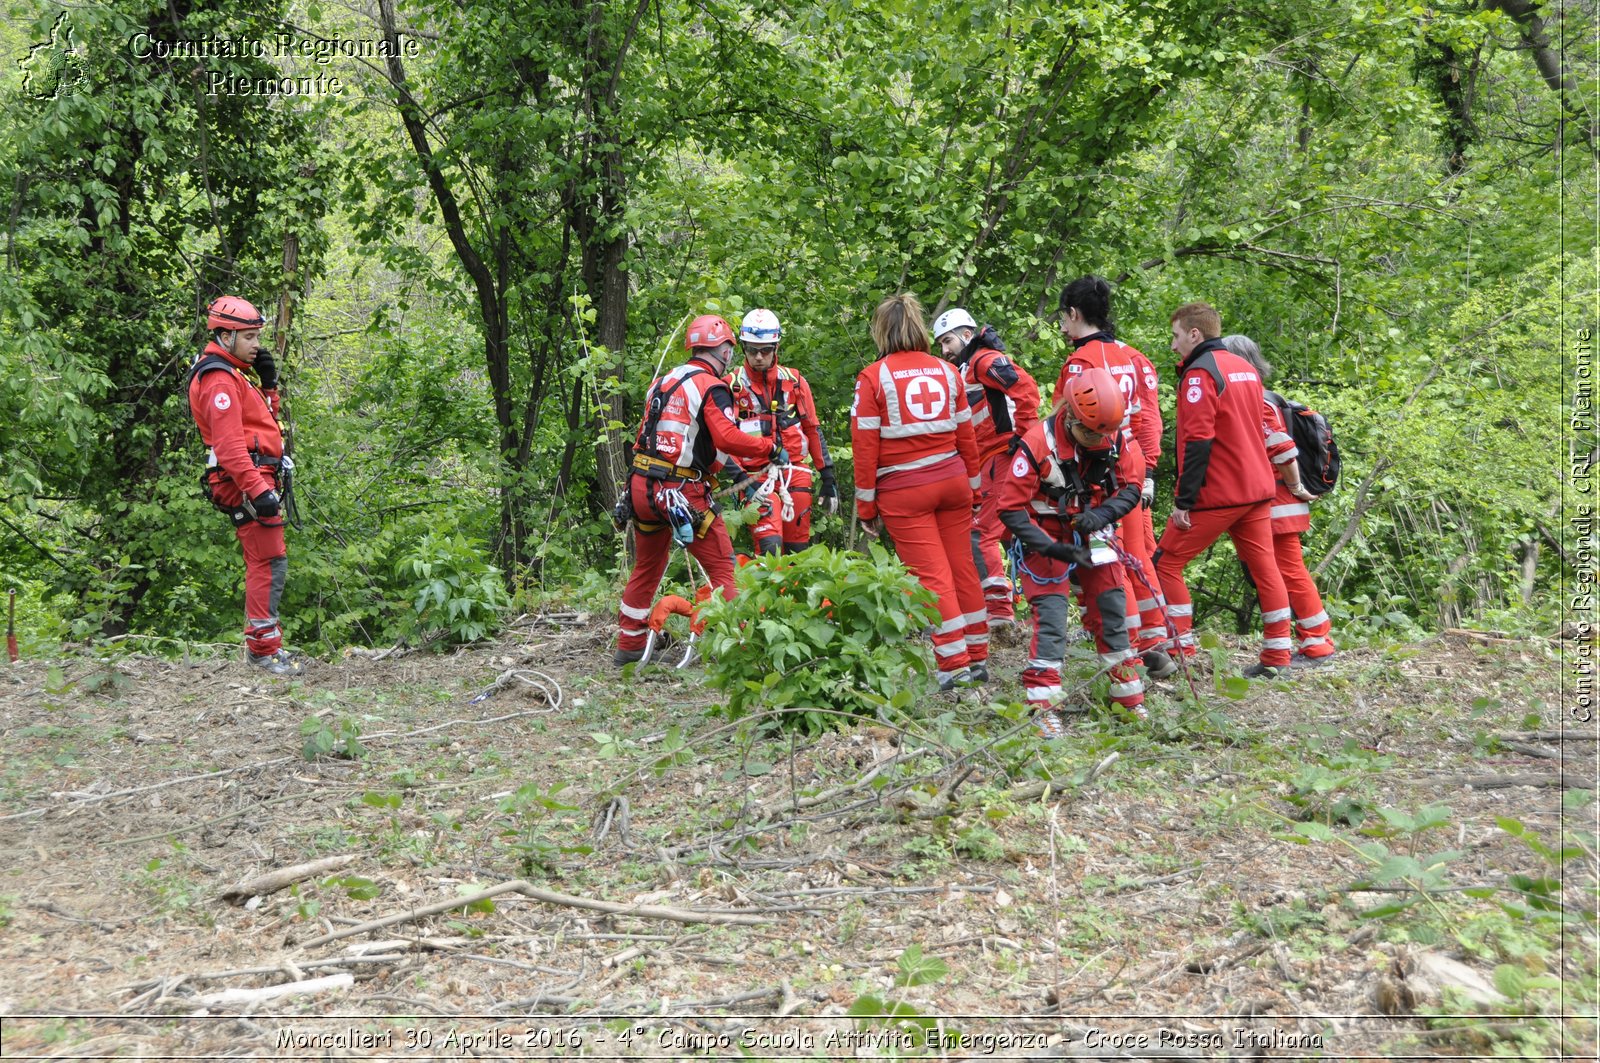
point(1170, 895)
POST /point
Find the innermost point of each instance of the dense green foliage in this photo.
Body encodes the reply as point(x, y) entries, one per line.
point(819, 630)
point(502, 230)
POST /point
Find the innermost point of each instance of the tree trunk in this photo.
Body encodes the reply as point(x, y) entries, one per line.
point(1547, 58)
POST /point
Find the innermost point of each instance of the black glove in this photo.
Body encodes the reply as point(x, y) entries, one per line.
point(1070, 552)
point(1090, 521)
point(266, 369)
point(830, 486)
point(267, 503)
point(779, 455)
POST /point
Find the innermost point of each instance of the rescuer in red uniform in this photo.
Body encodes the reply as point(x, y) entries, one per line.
point(688, 432)
point(1086, 321)
point(775, 401)
point(245, 467)
point(1291, 515)
point(1225, 481)
point(1005, 403)
point(1064, 491)
point(916, 467)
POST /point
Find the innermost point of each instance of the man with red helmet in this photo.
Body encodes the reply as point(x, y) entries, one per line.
point(1066, 487)
point(916, 466)
point(1086, 321)
point(246, 466)
point(1005, 403)
point(774, 401)
point(689, 431)
point(1225, 481)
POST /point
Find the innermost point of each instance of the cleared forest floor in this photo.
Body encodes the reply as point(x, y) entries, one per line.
point(1188, 887)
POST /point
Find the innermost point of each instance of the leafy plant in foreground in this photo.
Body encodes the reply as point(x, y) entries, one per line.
point(453, 591)
point(822, 629)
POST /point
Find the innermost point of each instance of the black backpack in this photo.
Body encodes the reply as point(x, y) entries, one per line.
point(1313, 436)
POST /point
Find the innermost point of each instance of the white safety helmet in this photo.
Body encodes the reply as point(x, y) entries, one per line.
point(760, 327)
point(951, 320)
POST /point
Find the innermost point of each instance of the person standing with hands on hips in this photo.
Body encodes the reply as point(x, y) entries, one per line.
point(246, 469)
point(916, 468)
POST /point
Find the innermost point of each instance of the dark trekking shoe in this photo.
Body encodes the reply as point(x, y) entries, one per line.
point(979, 673)
point(279, 664)
point(622, 657)
point(949, 681)
point(1157, 664)
point(1266, 671)
point(1300, 661)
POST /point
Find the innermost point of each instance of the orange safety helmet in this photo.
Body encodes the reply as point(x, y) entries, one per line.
point(707, 330)
point(1095, 401)
point(233, 314)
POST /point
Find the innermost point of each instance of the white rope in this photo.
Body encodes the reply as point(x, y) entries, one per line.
point(778, 479)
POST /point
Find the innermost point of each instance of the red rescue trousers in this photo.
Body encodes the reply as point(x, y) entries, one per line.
point(1250, 528)
point(265, 563)
point(987, 532)
point(1311, 623)
point(771, 533)
point(653, 549)
point(931, 526)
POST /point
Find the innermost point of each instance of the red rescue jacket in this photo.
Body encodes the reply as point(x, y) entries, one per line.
point(778, 403)
point(1222, 454)
point(1051, 478)
point(694, 426)
point(910, 426)
point(235, 420)
point(1002, 396)
point(1135, 378)
point(1290, 516)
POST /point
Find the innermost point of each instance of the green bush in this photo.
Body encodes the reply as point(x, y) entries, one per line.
point(453, 589)
point(822, 629)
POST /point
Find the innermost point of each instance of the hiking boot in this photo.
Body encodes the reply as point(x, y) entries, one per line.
point(1049, 724)
point(949, 681)
point(622, 657)
point(1266, 671)
point(979, 673)
point(1300, 661)
point(1157, 664)
point(279, 664)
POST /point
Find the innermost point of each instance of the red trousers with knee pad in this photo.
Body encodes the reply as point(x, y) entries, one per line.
point(265, 564)
point(1100, 594)
point(1311, 624)
point(987, 533)
point(1250, 528)
point(771, 533)
point(931, 526)
point(653, 549)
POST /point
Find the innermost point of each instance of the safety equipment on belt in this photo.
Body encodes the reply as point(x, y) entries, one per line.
point(951, 320)
point(653, 468)
point(1095, 401)
point(233, 314)
point(760, 327)
point(707, 330)
point(622, 512)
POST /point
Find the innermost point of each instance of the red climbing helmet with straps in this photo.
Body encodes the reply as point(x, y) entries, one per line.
point(1095, 401)
point(233, 313)
point(707, 330)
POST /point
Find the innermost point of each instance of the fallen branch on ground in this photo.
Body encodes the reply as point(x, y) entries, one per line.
point(1501, 782)
point(231, 997)
point(273, 881)
point(527, 889)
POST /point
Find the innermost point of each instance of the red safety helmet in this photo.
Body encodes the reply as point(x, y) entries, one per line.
point(1095, 401)
point(233, 313)
point(707, 330)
